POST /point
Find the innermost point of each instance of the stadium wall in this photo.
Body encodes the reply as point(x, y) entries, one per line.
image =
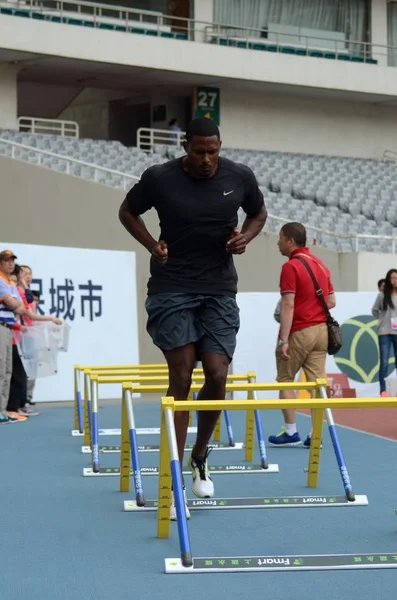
point(293, 123)
point(285, 123)
point(8, 96)
point(90, 109)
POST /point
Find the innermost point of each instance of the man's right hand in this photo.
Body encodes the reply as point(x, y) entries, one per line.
point(160, 252)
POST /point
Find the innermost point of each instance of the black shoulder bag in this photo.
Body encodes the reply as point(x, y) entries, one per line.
point(334, 331)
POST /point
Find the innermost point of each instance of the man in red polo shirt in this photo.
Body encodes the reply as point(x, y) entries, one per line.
point(303, 336)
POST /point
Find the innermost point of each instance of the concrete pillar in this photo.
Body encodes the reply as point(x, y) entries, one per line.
point(8, 97)
point(204, 12)
point(379, 31)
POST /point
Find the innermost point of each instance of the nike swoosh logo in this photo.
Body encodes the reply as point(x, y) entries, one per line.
point(227, 193)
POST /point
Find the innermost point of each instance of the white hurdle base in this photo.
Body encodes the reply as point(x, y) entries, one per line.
point(156, 448)
point(303, 562)
point(257, 503)
point(213, 469)
point(139, 431)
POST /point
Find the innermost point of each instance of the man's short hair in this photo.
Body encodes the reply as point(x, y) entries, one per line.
point(295, 231)
point(202, 127)
point(26, 267)
point(381, 282)
point(36, 294)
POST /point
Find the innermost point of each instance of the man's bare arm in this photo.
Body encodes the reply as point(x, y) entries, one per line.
point(252, 226)
point(286, 315)
point(135, 226)
point(331, 301)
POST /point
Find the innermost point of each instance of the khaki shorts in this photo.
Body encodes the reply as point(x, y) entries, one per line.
point(308, 351)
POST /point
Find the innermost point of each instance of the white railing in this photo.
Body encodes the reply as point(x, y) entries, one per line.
point(127, 179)
point(148, 138)
point(200, 31)
point(49, 126)
point(91, 12)
point(354, 238)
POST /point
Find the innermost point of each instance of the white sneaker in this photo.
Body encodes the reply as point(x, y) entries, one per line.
point(173, 507)
point(202, 485)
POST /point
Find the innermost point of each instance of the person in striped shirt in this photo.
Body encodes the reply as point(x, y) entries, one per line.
point(10, 305)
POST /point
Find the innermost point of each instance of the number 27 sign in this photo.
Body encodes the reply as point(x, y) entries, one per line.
point(207, 103)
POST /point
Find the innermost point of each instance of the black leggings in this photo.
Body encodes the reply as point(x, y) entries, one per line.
point(19, 380)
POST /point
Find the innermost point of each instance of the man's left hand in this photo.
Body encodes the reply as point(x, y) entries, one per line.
point(284, 351)
point(237, 243)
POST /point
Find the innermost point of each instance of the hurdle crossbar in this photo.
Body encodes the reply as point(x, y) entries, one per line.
point(79, 369)
point(232, 387)
point(129, 449)
point(82, 410)
point(249, 388)
point(272, 404)
point(157, 377)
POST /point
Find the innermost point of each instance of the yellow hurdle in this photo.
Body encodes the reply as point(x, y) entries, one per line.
point(318, 405)
point(132, 388)
point(79, 369)
point(93, 380)
point(249, 388)
point(80, 400)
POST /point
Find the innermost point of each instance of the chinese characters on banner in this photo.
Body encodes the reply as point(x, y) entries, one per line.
point(68, 298)
point(93, 291)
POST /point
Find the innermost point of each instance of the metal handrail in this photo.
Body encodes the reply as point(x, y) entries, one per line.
point(147, 138)
point(95, 6)
point(350, 236)
point(55, 126)
point(69, 161)
point(213, 32)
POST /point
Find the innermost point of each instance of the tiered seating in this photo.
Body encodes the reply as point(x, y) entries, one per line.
point(339, 195)
point(108, 154)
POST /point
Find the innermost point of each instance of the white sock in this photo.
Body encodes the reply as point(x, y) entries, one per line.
point(290, 429)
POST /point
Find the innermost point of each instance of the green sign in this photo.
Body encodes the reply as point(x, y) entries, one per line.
point(207, 103)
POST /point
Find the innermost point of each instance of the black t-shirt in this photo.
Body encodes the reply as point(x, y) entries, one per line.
point(197, 217)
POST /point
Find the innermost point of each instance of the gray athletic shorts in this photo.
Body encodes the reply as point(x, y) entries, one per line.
point(209, 322)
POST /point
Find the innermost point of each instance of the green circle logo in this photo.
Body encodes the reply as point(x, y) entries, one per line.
point(359, 356)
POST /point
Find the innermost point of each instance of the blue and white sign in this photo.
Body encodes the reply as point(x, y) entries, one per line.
point(94, 291)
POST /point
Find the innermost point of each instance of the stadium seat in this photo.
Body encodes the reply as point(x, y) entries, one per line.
point(287, 50)
point(340, 195)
